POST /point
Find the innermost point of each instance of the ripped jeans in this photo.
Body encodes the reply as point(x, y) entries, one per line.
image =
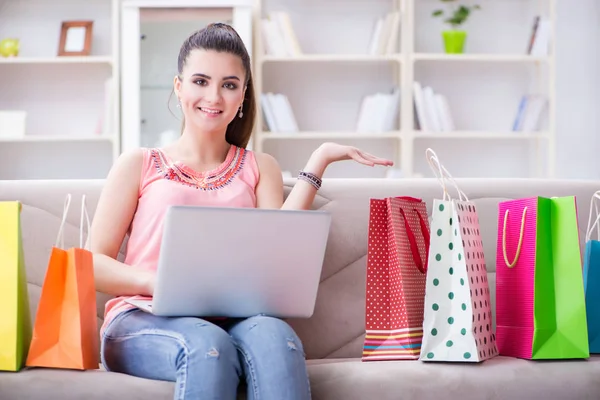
point(206, 359)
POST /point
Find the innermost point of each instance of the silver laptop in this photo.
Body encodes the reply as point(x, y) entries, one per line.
point(239, 262)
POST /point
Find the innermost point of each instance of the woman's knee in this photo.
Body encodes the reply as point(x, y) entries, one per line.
point(263, 328)
point(205, 341)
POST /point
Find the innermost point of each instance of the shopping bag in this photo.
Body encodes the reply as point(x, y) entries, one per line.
point(540, 299)
point(457, 323)
point(591, 276)
point(396, 265)
point(65, 329)
point(15, 322)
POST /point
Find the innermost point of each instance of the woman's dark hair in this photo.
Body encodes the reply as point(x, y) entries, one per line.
point(223, 38)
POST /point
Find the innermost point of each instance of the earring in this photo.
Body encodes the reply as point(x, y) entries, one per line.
point(178, 103)
point(241, 113)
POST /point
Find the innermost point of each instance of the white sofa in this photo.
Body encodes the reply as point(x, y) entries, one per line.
point(333, 337)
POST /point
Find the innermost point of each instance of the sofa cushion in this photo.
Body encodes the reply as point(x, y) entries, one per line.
point(348, 379)
point(498, 378)
point(54, 384)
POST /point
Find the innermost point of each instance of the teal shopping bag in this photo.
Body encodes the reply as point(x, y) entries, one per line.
point(591, 276)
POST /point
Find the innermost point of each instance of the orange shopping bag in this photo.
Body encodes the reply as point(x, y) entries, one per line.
point(65, 330)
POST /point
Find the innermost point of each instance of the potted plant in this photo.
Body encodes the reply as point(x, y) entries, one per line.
point(454, 39)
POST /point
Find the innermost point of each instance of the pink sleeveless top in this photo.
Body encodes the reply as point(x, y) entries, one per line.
point(164, 183)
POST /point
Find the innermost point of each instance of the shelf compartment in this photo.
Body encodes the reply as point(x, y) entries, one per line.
point(505, 26)
point(336, 94)
point(324, 27)
point(485, 97)
point(69, 104)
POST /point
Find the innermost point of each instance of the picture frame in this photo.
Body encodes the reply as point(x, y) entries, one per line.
point(75, 38)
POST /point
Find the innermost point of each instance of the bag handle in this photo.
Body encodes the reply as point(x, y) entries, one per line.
point(590, 226)
point(514, 262)
point(436, 166)
point(413, 241)
point(60, 238)
point(84, 212)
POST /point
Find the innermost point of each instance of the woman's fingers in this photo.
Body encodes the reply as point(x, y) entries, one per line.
point(376, 160)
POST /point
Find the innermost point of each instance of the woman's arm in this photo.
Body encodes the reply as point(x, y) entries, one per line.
point(269, 191)
point(114, 213)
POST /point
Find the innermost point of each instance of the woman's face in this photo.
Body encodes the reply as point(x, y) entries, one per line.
point(211, 89)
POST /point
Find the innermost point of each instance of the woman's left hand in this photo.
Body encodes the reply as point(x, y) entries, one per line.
point(333, 152)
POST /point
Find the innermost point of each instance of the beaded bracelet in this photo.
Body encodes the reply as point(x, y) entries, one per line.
point(310, 178)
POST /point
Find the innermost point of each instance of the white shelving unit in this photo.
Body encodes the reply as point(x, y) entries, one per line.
point(327, 82)
point(67, 132)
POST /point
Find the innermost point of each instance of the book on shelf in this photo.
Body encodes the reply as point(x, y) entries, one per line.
point(378, 112)
point(432, 110)
point(278, 113)
point(278, 35)
point(539, 41)
point(529, 113)
point(105, 125)
point(386, 35)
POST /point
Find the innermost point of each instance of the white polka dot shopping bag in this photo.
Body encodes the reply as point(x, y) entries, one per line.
point(457, 325)
point(540, 301)
point(396, 269)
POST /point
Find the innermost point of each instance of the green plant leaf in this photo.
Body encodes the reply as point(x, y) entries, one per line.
point(454, 21)
point(459, 15)
point(463, 10)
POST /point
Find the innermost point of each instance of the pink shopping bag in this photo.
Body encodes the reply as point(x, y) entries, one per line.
point(540, 300)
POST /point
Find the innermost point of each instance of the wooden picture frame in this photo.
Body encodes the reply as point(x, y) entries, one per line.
point(75, 38)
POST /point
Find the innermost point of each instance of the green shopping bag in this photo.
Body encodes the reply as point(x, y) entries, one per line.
point(15, 322)
point(540, 304)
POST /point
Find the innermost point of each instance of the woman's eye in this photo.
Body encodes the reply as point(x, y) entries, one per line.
point(201, 82)
point(230, 86)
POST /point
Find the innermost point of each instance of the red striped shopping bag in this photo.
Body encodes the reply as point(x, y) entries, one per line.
point(396, 271)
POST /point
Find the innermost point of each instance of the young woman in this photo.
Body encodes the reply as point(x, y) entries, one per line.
point(207, 166)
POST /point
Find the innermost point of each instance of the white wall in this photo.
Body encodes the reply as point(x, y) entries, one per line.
point(578, 89)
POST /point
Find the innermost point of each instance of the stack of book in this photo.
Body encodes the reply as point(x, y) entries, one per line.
point(386, 35)
point(432, 110)
point(379, 112)
point(278, 113)
point(278, 35)
point(539, 42)
point(529, 113)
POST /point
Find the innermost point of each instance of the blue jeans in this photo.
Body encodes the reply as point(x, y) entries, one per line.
point(206, 359)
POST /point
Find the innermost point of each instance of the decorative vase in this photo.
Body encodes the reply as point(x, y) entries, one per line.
point(454, 41)
point(9, 47)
